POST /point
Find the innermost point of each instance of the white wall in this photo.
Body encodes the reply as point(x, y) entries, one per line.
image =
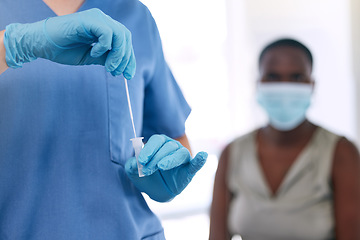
point(355, 26)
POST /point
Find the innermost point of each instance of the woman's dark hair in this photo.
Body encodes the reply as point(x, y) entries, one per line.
point(286, 42)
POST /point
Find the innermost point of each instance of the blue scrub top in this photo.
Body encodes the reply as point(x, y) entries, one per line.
point(65, 130)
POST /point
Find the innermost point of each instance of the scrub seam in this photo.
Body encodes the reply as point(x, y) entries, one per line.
point(109, 117)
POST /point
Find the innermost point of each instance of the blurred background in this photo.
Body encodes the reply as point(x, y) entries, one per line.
point(212, 47)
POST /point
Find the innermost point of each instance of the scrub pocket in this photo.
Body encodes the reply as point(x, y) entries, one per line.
point(120, 125)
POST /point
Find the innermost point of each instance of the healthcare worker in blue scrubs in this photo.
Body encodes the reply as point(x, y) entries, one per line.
point(67, 169)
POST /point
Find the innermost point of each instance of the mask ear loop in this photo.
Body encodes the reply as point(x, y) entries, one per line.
point(312, 93)
point(313, 85)
point(256, 88)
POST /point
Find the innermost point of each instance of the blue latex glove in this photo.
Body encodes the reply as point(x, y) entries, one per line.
point(168, 168)
point(83, 38)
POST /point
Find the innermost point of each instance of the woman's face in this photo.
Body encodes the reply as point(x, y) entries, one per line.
point(285, 64)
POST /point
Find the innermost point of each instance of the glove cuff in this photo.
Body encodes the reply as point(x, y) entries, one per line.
point(17, 43)
point(26, 42)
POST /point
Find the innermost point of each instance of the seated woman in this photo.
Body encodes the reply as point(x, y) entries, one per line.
point(289, 179)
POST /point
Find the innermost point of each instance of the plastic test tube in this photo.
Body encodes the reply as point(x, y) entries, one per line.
point(138, 145)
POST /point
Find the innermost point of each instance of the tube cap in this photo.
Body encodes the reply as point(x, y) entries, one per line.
point(138, 145)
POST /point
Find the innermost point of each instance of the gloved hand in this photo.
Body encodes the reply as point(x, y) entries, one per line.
point(83, 38)
point(168, 168)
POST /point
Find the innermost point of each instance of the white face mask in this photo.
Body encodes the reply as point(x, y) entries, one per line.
point(285, 103)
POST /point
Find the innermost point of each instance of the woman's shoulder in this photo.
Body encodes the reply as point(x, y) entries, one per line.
point(238, 144)
point(244, 138)
point(328, 132)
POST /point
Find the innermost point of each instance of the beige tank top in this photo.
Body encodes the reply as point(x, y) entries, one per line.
point(303, 205)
